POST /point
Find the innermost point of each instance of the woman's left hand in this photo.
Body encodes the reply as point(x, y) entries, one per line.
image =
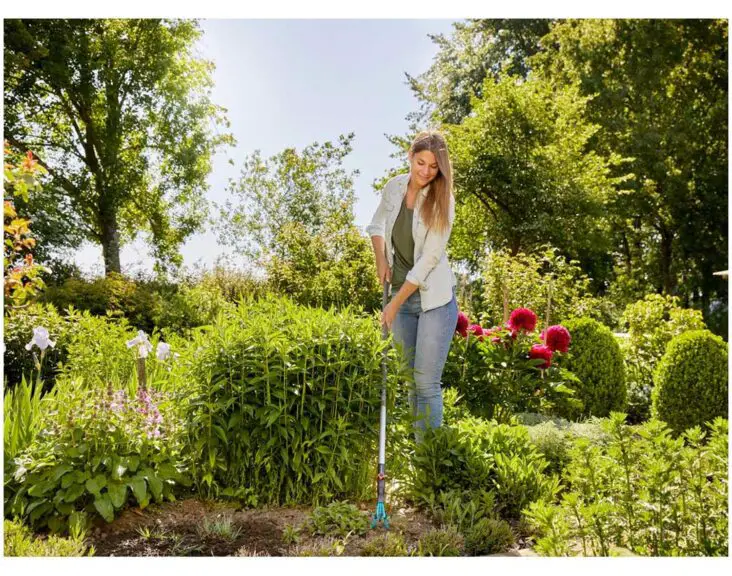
point(388, 315)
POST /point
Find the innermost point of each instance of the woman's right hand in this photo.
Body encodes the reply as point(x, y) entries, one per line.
point(383, 271)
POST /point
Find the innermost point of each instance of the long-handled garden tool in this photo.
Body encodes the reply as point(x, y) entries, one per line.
point(380, 515)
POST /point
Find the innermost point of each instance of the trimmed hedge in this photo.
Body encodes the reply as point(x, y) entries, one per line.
point(691, 381)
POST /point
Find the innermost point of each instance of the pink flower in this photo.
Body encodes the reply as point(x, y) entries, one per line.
point(557, 338)
point(522, 319)
point(541, 351)
point(476, 330)
point(462, 324)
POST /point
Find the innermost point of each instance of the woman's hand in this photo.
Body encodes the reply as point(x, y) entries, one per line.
point(388, 314)
point(383, 271)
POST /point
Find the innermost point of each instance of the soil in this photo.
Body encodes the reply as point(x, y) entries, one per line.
point(184, 528)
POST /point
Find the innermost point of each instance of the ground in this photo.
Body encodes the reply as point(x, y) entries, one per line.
point(176, 529)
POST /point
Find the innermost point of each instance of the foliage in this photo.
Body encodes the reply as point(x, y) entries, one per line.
point(523, 174)
point(692, 386)
point(597, 362)
point(479, 455)
point(643, 490)
point(98, 450)
point(496, 376)
point(18, 540)
point(389, 544)
point(284, 399)
point(445, 541)
point(22, 278)
point(338, 519)
point(23, 411)
point(543, 280)
point(291, 187)
point(220, 527)
point(120, 113)
point(660, 93)
point(334, 267)
point(652, 323)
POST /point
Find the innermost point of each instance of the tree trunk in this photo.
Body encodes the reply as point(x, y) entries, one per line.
point(669, 282)
point(110, 239)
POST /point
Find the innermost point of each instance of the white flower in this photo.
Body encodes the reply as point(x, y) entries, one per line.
point(40, 339)
point(163, 351)
point(143, 344)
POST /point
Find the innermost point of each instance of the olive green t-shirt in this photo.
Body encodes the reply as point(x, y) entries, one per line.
point(403, 242)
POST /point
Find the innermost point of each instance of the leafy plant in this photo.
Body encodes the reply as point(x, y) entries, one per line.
point(291, 534)
point(692, 383)
point(18, 540)
point(441, 542)
point(338, 519)
point(222, 526)
point(389, 544)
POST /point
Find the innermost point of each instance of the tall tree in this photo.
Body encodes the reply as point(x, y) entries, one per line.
point(119, 114)
point(303, 187)
point(523, 175)
point(660, 92)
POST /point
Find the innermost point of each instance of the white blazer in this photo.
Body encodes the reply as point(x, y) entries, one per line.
point(431, 271)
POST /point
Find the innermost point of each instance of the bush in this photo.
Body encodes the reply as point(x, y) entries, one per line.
point(692, 381)
point(643, 490)
point(651, 323)
point(19, 541)
point(338, 519)
point(488, 536)
point(596, 360)
point(98, 450)
point(483, 456)
point(389, 544)
point(543, 281)
point(443, 542)
point(285, 399)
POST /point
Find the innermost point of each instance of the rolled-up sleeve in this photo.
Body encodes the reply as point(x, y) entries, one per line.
point(378, 222)
point(435, 245)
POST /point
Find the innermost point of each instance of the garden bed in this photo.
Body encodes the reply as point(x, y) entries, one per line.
point(177, 529)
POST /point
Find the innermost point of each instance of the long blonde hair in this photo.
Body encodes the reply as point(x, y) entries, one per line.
point(436, 206)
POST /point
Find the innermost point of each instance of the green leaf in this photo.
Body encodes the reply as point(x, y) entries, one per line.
point(132, 463)
point(104, 506)
point(74, 491)
point(117, 493)
point(95, 485)
point(60, 470)
point(138, 487)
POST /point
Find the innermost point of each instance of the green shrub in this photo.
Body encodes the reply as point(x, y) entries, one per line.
point(692, 381)
point(389, 544)
point(488, 536)
point(596, 360)
point(441, 542)
point(651, 323)
point(644, 490)
point(543, 280)
point(285, 399)
point(483, 456)
point(338, 519)
point(19, 541)
point(98, 450)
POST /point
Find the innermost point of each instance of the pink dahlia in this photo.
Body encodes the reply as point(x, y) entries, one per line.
point(557, 338)
point(462, 324)
point(476, 330)
point(522, 319)
point(541, 351)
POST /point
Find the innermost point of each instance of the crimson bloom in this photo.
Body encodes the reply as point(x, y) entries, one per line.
point(522, 319)
point(557, 338)
point(541, 351)
point(462, 324)
point(476, 330)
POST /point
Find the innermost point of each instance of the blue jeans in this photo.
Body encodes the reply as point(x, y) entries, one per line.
point(425, 338)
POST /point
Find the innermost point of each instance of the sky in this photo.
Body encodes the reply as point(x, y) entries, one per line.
point(289, 83)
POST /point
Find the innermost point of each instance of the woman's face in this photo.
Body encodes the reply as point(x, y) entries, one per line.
point(424, 168)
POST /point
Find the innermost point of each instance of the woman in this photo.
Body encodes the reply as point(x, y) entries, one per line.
point(409, 233)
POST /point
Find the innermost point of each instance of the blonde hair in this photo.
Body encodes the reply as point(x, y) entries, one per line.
point(436, 206)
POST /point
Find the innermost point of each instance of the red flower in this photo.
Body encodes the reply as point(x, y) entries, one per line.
point(557, 338)
point(541, 351)
point(462, 324)
point(522, 319)
point(476, 330)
